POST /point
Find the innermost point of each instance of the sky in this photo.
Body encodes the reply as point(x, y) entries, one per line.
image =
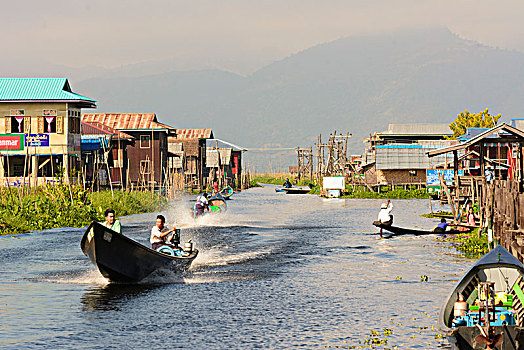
point(237, 35)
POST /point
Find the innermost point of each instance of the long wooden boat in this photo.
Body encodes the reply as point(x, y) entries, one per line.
point(227, 192)
point(296, 190)
point(121, 259)
point(499, 277)
point(408, 231)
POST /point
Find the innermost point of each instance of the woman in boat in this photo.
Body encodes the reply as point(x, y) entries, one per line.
point(202, 204)
point(160, 233)
point(111, 222)
point(287, 183)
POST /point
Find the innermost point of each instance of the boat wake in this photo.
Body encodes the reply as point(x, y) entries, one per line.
point(91, 276)
point(213, 258)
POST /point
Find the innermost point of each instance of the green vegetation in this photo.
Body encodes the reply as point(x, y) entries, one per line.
point(434, 215)
point(397, 193)
point(66, 206)
point(467, 120)
point(470, 244)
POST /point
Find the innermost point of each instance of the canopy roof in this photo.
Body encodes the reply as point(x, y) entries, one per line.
point(40, 89)
point(503, 130)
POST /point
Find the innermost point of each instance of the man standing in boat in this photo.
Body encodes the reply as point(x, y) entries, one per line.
point(159, 233)
point(384, 216)
point(111, 222)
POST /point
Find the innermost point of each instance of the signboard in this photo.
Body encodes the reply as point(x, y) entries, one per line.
point(433, 176)
point(12, 142)
point(37, 140)
point(334, 183)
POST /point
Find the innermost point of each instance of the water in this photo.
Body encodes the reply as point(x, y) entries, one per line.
point(275, 272)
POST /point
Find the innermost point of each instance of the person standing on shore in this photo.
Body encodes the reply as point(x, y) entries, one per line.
point(111, 222)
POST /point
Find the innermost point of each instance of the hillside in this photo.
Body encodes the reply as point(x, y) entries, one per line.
point(353, 84)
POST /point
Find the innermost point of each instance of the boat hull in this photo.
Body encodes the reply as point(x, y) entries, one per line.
point(296, 190)
point(507, 273)
point(407, 231)
point(462, 338)
point(121, 259)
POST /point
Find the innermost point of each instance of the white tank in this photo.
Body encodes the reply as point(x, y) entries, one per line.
point(461, 307)
point(188, 246)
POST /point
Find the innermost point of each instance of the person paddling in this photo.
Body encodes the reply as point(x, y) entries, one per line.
point(384, 216)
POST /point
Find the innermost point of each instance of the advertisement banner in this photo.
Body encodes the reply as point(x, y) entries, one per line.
point(12, 142)
point(37, 140)
point(432, 176)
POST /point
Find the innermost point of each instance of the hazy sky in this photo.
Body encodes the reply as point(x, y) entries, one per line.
point(239, 35)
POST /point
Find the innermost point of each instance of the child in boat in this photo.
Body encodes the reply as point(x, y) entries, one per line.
point(471, 217)
point(442, 226)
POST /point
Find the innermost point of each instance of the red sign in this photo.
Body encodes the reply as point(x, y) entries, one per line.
point(11, 142)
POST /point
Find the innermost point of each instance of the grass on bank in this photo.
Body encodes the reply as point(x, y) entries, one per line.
point(66, 206)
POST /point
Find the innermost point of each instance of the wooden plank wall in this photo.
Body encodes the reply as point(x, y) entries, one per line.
point(506, 199)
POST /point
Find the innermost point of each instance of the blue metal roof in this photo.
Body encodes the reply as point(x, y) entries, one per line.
point(23, 89)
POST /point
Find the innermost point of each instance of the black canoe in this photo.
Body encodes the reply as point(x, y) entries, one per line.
point(507, 273)
point(296, 190)
point(121, 259)
point(408, 231)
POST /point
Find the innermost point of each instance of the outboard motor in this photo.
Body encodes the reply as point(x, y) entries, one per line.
point(175, 239)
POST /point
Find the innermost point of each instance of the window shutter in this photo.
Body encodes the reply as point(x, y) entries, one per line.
point(7, 125)
point(40, 125)
point(59, 124)
point(27, 125)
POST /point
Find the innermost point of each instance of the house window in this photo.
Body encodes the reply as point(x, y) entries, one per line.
point(50, 118)
point(145, 167)
point(145, 141)
point(16, 121)
point(412, 173)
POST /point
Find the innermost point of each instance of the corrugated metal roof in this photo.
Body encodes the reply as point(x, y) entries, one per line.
point(23, 89)
point(95, 128)
point(194, 133)
point(212, 144)
point(125, 121)
point(518, 123)
point(418, 129)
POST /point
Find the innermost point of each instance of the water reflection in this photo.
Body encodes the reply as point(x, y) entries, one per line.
point(112, 296)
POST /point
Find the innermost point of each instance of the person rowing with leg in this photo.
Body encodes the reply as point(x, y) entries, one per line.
point(384, 216)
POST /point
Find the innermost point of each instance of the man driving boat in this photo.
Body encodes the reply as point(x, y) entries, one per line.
point(160, 233)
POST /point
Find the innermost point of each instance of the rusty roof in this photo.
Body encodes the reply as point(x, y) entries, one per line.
point(95, 128)
point(125, 121)
point(194, 133)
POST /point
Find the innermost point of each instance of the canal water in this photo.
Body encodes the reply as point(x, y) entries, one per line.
point(276, 271)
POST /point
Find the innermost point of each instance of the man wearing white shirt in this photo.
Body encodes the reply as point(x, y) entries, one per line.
point(159, 233)
point(384, 216)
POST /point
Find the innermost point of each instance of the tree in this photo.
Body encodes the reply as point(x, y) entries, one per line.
point(466, 120)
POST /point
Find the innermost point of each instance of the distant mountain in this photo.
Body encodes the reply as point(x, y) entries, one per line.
point(357, 84)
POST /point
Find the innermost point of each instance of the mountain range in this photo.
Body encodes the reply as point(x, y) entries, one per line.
point(355, 84)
